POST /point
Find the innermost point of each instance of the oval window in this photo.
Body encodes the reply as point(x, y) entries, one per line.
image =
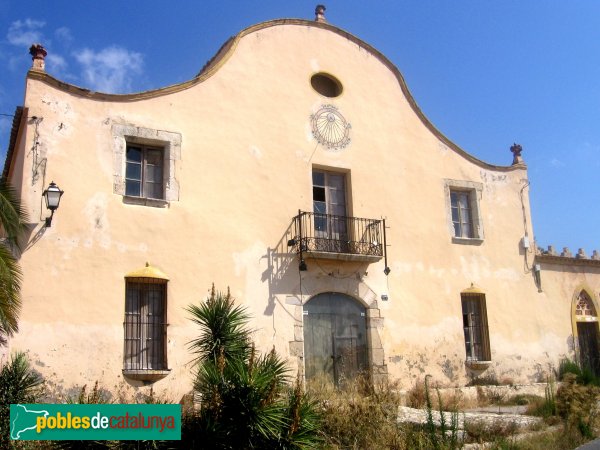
point(326, 84)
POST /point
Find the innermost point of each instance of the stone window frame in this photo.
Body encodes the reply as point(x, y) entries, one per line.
point(584, 308)
point(169, 142)
point(475, 191)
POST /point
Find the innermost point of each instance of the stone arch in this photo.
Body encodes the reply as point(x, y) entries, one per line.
point(359, 292)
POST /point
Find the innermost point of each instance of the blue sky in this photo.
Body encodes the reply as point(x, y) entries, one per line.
point(487, 74)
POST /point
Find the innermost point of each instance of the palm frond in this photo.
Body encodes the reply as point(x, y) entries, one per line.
point(13, 215)
point(222, 328)
point(10, 293)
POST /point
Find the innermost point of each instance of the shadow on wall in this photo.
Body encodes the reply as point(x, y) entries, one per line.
point(281, 273)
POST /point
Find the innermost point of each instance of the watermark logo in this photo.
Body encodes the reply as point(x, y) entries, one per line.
point(95, 422)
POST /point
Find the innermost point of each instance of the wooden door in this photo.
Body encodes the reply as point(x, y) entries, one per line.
point(589, 354)
point(335, 345)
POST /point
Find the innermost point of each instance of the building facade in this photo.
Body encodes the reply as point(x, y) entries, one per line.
point(297, 169)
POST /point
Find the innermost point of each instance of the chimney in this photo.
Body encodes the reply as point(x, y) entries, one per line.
point(38, 53)
point(516, 150)
point(320, 13)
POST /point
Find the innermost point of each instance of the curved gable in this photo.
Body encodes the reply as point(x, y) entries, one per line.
point(228, 50)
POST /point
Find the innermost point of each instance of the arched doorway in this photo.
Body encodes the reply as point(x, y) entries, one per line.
point(586, 319)
point(335, 338)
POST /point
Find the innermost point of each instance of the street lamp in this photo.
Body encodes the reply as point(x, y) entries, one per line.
point(52, 196)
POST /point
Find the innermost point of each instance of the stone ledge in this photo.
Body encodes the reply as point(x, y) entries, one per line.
point(146, 374)
point(144, 201)
point(419, 417)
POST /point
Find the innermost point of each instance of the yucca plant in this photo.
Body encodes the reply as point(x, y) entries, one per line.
point(246, 399)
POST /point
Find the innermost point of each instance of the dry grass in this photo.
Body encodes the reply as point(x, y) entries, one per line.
point(452, 399)
point(359, 415)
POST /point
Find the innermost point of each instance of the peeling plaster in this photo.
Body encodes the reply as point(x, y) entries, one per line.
point(475, 267)
point(67, 245)
point(443, 148)
point(248, 258)
point(95, 212)
point(548, 343)
point(64, 109)
point(412, 334)
point(255, 152)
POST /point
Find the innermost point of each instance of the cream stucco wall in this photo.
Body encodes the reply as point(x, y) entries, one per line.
point(243, 171)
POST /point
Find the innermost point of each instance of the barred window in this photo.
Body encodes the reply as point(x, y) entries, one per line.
point(145, 324)
point(477, 343)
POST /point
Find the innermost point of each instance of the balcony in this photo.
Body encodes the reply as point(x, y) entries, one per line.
point(343, 238)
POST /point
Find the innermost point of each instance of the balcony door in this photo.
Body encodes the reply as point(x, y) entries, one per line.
point(329, 208)
point(335, 342)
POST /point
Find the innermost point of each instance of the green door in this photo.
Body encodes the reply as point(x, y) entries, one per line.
point(335, 344)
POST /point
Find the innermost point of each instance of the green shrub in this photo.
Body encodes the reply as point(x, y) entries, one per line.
point(524, 399)
point(19, 383)
point(584, 375)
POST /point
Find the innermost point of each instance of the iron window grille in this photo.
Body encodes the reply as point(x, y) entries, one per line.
point(475, 326)
point(145, 325)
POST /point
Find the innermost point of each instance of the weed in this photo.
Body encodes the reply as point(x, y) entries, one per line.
point(358, 417)
point(584, 375)
point(478, 431)
point(416, 396)
point(484, 380)
point(523, 400)
point(448, 433)
point(577, 404)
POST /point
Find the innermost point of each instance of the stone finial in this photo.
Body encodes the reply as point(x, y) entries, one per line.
point(38, 53)
point(596, 255)
point(551, 250)
point(581, 254)
point(566, 253)
point(320, 13)
point(516, 150)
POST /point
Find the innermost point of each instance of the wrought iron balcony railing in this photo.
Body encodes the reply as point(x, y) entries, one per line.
point(338, 237)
